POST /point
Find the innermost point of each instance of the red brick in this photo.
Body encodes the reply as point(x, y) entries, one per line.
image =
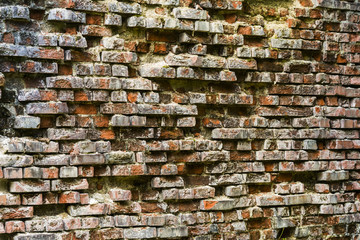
point(14, 226)
point(69, 197)
point(93, 19)
point(161, 48)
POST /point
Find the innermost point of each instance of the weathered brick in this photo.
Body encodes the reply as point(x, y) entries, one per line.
point(121, 7)
point(233, 191)
point(34, 236)
point(224, 133)
point(237, 63)
point(118, 57)
point(120, 195)
point(118, 157)
point(69, 197)
point(46, 108)
point(167, 182)
point(95, 31)
point(217, 205)
point(189, 13)
point(66, 134)
point(172, 232)
point(333, 176)
point(87, 159)
point(157, 71)
point(95, 209)
point(14, 226)
point(16, 12)
point(68, 172)
point(72, 41)
point(113, 19)
point(142, 233)
point(30, 186)
point(66, 185)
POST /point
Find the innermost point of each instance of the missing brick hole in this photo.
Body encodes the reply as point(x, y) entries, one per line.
point(285, 233)
point(49, 210)
point(268, 3)
point(308, 177)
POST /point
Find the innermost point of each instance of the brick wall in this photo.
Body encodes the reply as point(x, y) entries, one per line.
point(179, 119)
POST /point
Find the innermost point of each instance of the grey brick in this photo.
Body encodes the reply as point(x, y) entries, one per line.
point(27, 122)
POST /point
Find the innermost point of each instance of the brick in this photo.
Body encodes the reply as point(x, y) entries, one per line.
point(113, 19)
point(120, 195)
point(95, 209)
point(53, 160)
point(233, 191)
point(90, 222)
point(95, 31)
point(143, 233)
point(15, 12)
point(34, 225)
point(152, 158)
point(259, 77)
point(72, 223)
point(30, 186)
point(14, 226)
point(54, 225)
point(299, 199)
point(33, 172)
point(87, 159)
point(217, 205)
point(237, 63)
point(66, 185)
point(333, 176)
point(284, 111)
point(215, 156)
point(167, 182)
point(120, 7)
point(118, 57)
point(118, 157)
point(126, 121)
point(223, 39)
point(59, 14)
point(189, 13)
point(169, 169)
point(33, 199)
point(227, 179)
point(13, 173)
point(172, 232)
point(157, 71)
point(186, 122)
point(46, 108)
point(66, 134)
point(184, 60)
point(120, 70)
point(68, 172)
point(122, 221)
point(33, 236)
point(16, 160)
point(72, 41)
point(204, 192)
point(69, 197)
point(17, 213)
point(286, 43)
point(270, 200)
point(224, 133)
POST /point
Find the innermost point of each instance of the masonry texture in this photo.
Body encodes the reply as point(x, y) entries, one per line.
point(184, 119)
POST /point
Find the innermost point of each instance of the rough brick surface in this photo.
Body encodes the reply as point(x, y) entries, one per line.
point(179, 119)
